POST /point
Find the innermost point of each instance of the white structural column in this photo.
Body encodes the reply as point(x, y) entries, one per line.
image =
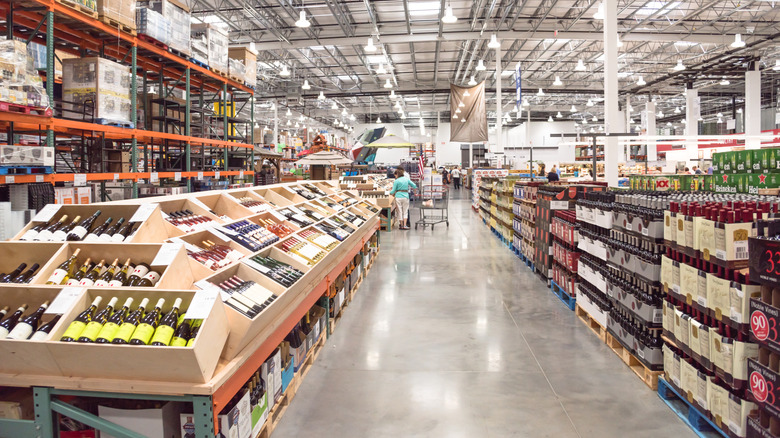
point(611, 109)
point(753, 108)
point(276, 124)
point(692, 115)
point(650, 129)
point(499, 119)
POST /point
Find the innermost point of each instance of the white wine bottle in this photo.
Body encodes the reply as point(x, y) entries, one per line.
point(121, 277)
point(143, 333)
point(107, 275)
point(28, 324)
point(127, 328)
point(92, 275)
point(80, 322)
point(81, 230)
point(46, 233)
point(32, 233)
point(44, 330)
point(109, 329)
point(94, 235)
point(105, 236)
point(76, 279)
point(91, 331)
point(62, 232)
point(9, 323)
point(65, 271)
point(167, 326)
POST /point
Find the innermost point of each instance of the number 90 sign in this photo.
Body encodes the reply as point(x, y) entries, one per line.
point(760, 388)
point(761, 326)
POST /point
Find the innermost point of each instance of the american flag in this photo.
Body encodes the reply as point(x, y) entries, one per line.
point(421, 166)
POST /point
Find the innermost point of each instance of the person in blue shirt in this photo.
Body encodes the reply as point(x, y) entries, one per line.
point(400, 190)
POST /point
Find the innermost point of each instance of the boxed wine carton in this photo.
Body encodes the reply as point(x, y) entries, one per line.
point(103, 82)
point(237, 423)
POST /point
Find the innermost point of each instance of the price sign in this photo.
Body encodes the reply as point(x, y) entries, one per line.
point(10, 179)
point(240, 173)
point(64, 300)
point(216, 174)
point(177, 176)
point(143, 212)
point(166, 254)
point(80, 179)
point(116, 177)
point(764, 260)
point(154, 177)
point(47, 212)
point(200, 175)
point(39, 178)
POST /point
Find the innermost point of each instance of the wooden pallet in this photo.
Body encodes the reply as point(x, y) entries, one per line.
point(280, 407)
point(236, 79)
point(219, 72)
point(153, 41)
point(79, 8)
point(647, 375)
point(25, 109)
point(592, 324)
point(109, 21)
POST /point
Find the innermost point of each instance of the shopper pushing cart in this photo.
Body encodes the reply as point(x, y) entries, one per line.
point(400, 190)
point(433, 203)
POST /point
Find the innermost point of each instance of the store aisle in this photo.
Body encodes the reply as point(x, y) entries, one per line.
point(450, 335)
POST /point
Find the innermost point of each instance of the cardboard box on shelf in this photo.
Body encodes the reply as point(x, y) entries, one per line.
point(26, 156)
point(83, 195)
point(249, 59)
point(237, 423)
point(157, 422)
point(121, 11)
point(99, 80)
point(65, 195)
point(217, 41)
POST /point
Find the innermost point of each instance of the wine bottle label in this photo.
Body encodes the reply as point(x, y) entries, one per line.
point(125, 332)
point(44, 236)
point(39, 336)
point(104, 238)
point(108, 331)
point(143, 333)
point(101, 283)
point(190, 341)
point(117, 238)
point(152, 276)
point(163, 335)
point(3, 332)
point(91, 238)
point(79, 231)
point(178, 342)
point(115, 283)
point(140, 271)
point(86, 282)
point(72, 282)
point(20, 331)
point(29, 235)
point(74, 330)
point(57, 236)
point(57, 276)
point(91, 331)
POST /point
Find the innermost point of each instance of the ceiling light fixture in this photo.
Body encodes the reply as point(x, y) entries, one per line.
point(284, 72)
point(381, 70)
point(677, 110)
point(334, 106)
point(684, 122)
point(461, 104)
point(739, 110)
point(738, 43)
point(599, 15)
point(448, 17)
point(777, 65)
point(720, 115)
point(455, 115)
point(540, 92)
point(720, 120)
point(344, 112)
point(321, 96)
point(403, 116)
point(573, 109)
point(641, 81)
point(525, 102)
point(273, 106)
point(289, 113)
point(302, 21)
point(550, 119)
point(595, 119)
point(352, 117)
point(378, 119)
point(481, 65)
point(493, 44)
point(590, 103)
point(559, 115)
point(388, 84)
point(472, 82)
point(660, 113)
point(725, 81)
point(457, 110)
point(680, 66)
point(580, 66)
point(557, 81)
point(370, 47)
point(305, 85)
point(619, 42)
point(463, 120)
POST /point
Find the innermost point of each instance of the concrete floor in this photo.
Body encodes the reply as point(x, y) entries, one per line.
point(450, 335)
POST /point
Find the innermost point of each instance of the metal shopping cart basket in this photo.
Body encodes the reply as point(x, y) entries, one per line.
point(433, 202)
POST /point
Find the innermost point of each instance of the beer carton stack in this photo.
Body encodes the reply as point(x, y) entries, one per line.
point(746, 171)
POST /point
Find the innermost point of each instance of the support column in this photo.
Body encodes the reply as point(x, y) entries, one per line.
point(499, 119)
point(692, 115)
point(753, 106)
point(650, 129)
point(611, 106)
point(276, 125)
point(188, 127)
point(528, 141)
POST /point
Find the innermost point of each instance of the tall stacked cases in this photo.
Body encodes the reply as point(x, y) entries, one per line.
point(216, 42)
point(501, 209)
point(476, 182)
point(99, 83)
point(564, 229)
point(485, 201)
point(764, 372)
point(525, 216)
point(248, 58)
point(120, 11)
point(179, 17)
point(706, 317)
point(594, 216)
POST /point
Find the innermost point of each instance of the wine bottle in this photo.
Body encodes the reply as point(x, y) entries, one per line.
point(9, 323)
point(91, 331)
point(143, 333)
point(106, 235)
point(92, 275)
point(128, 326)
point(149, 280)
point(94, 235)
point(6, 278)
point(44, 330)
point(62, 233)
point(107, 275)
point(3, 312)
point(32, 233)
point(167, 326)
point(82, 228)
point(110, 328)
point(194, 329)
point(121, 277)
point(45, 234)
point(123, 232)
point(66, 270)
point(182, 334)
point(138, 273)
point(28, 324)
point(78, 275)
point(80, 322)
point(26, 276)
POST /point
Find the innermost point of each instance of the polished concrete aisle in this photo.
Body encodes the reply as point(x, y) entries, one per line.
point(450, 335)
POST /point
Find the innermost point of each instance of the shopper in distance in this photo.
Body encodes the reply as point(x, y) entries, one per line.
point(553, 175)
point(456, 178)
point(400, 190)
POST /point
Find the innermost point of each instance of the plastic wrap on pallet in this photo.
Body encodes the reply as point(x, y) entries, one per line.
point(217, 43)
point(249, 59)
point(122, 11)
point(152, 24)
point(104, 82)
point(20, 82)
point(200, 48)
point(236, 69)
point(180, 23)
point(26, 156)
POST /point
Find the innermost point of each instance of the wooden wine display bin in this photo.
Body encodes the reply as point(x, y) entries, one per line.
point(152, 228)
point(242, 329)
point(24, 356)
point(287, 193)
point(274, 198)
point(16, 253)
point(326, 186)
point(195, 241)
point(169, 260)
point(225, 206)
point(195, 364)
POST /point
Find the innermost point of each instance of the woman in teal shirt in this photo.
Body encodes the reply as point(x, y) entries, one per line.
point(401, 192)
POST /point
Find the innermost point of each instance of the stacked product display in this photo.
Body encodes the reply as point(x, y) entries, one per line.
point(205, 282)
point(502, 215)
point(524, 222)
point(564, 230)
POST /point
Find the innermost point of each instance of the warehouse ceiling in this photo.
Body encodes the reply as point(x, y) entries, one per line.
point(421, 55)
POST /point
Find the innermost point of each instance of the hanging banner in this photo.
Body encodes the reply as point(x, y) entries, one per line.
point(471, 124)
point(518, 87)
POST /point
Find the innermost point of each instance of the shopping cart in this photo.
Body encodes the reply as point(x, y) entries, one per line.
point(433, 202)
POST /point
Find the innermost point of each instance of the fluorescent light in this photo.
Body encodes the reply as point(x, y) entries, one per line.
point(321, 96)
point(370, 47)
point(388, 84)
point(641, 81)
point(557, 81)
point(599, 15)
point(448, 17)
point(658, 8)
point(381, 70)
point(284, 72)
point(481, 65)
point(506, 73)
point(493, 44)
point(472, 82)
point(738, 43)
point(424, 8)
point(306, 85)
point(680, 66)
point(302, 21)
point(580, 66)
